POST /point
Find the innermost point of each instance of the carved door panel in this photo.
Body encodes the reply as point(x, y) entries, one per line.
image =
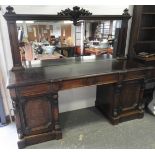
point(131, 95)
point(36, 114)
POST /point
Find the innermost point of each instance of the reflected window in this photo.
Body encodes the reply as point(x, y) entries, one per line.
point(101, 36)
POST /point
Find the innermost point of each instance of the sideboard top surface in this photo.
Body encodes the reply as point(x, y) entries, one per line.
point(66, 69)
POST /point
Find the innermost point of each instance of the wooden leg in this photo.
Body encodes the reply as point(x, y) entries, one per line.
point(21, 144)
point(141, 101)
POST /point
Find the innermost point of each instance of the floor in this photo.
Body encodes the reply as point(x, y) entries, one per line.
point(88, 128)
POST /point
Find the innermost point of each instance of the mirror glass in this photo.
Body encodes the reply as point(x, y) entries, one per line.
point(40, 40)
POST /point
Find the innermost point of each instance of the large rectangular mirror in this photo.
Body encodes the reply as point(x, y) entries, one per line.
point(40, 40)
point(41, 37)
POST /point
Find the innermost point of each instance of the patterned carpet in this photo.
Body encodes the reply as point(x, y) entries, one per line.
point(88, 128)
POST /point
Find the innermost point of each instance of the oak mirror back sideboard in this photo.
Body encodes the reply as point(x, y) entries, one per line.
point(70, 50)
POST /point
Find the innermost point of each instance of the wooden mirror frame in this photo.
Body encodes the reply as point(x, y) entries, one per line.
point(12, 17)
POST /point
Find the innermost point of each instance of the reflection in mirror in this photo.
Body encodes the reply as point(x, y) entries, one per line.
point(101, 36)
point(39, 40)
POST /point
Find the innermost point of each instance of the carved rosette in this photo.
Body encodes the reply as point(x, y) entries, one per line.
point(75, 14)
point(55, 87)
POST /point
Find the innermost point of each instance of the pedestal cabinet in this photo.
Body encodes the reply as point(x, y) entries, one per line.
point(36, 114)
point(121, 101)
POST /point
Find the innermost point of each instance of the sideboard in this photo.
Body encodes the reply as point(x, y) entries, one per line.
point(34, 92)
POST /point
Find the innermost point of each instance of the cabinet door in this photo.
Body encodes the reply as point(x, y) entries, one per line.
point(121, 101)
point(131, 95)
point(36, 114)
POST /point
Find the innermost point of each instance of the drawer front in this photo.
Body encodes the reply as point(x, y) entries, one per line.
point(131, 75)
point(88, 81)
point(68, 84)
point(104, 79)
point(72, 84)
point(34, 90)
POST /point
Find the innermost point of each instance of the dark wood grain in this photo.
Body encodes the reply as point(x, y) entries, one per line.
point(142, 33)
point(120, 82)
point(80, 68)
point(12, 17)
point(12, 29)
point(34, 91)
point(135, 27)
point(58, 17)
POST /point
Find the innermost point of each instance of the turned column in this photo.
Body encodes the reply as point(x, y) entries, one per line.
point(55, 110)
point(117, 100)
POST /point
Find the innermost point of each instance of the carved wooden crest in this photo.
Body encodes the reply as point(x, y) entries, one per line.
point(75, 14)
point(10, 10)
point(126, 12)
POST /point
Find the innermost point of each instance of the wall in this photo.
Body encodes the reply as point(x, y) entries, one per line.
point(69, 99)
point(3, 76)
point(47, 9)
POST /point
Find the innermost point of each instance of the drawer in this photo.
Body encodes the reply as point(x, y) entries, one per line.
point(88, 81)
point(103, 79)
point(35, 90)
point(131, 75)
point(72, 84)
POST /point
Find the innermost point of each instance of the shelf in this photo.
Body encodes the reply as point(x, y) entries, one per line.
point(148, 20)
point(144, 46)
point(143, 36)
point(148, 13)
point(147, 28)
point(147, 35)
point(148, 8)
point(147, 59)
point(146, 41)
